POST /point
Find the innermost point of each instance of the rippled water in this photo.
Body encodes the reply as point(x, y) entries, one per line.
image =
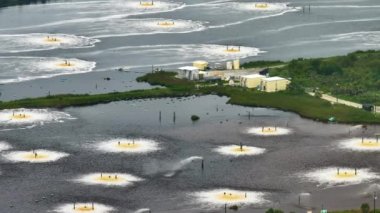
point(18, 69)
point(125, 34)
point(291, 164)
point(102, 36)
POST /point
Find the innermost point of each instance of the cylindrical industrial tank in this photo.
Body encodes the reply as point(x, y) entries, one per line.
point(237, 64)
point(229, 65)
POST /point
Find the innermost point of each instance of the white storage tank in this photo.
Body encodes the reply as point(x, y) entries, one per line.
point(237, 64)
point(229, 65)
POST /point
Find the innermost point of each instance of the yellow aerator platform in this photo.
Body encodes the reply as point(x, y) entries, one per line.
point(231, 197)
point(166, 23)
point(261, 5)
point(20, 116)
point(146, 3)
point(52, 39)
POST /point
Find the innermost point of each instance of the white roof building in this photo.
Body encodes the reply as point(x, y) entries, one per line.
point(189, 72)
point(188, 68)
point(274, 84)
point(251, 81)
point(276, 78)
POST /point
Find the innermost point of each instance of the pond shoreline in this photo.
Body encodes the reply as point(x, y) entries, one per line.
point(300, 103)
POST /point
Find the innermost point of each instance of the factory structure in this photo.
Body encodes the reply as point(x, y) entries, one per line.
point(263, 83)
point(234, 75)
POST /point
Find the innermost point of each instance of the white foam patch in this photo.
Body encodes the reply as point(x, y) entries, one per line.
point(229, 196)
point(269, 131)
point(18, 69)
point(181, 165)
point(98, 11)
point(28, 118)
point(243, 12)
point(329, 176)
point(143, 210)
point(371, 38)
point(225, 52)
point(183, 53)
point(34, 156)
point(145, 5)
point(126, 27)
point(41, 41)
point(4, 146)
point(84, 207)
point(260, 6)
point(236, 150)
point(108, 179)
point(133, 146)
point(357, 144)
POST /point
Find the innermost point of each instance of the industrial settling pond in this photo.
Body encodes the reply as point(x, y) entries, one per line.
point(121, 156)
point(147, 155)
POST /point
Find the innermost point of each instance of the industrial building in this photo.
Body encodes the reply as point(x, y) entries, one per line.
point(274, 84)
point(188, 72)
point(251, 81)
point(201, 65)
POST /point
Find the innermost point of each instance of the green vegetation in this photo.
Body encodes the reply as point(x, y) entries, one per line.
point(234, 207)
point(194, 117)
point(61, 101)
point(168, 80)
point(7, 3)
point(365, 208)
point(292, 100)
point(274, 211)
point(262, 64)
point(355, 76)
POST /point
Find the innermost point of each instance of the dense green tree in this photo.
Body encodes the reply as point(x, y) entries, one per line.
point(365, 208)
point(355, 76)
point(274, 211)
point(327, 68)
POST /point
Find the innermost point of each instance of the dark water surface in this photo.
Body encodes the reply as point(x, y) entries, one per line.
point(312, 145)
point(127, 40)
point(331, 28)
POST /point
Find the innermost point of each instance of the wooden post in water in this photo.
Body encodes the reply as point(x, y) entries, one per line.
point(159, 117)
point(174, 117)
point(299, 200)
